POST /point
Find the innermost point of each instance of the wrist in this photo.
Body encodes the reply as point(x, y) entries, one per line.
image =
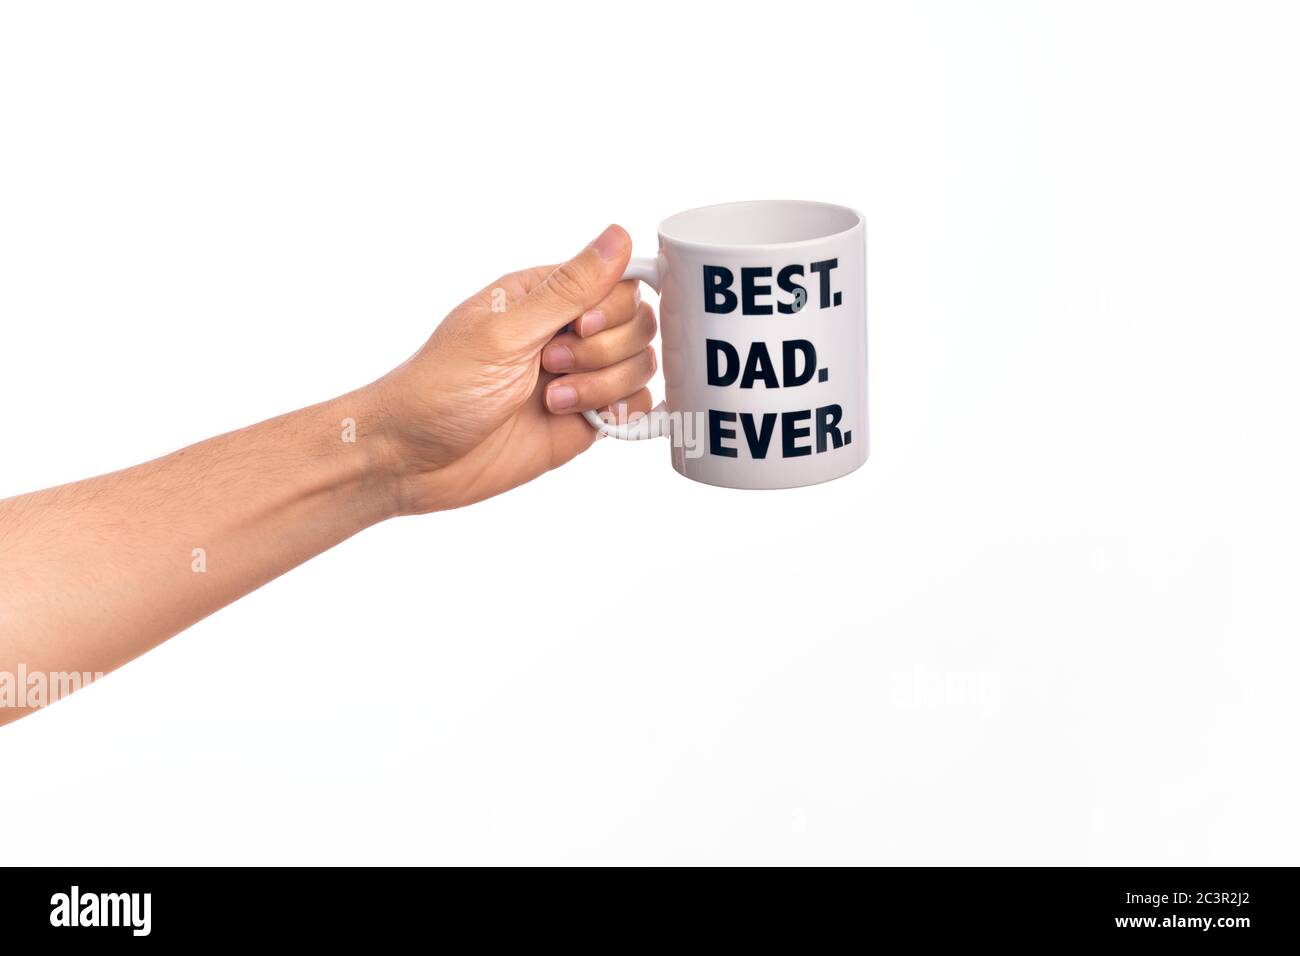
point(364, 450)
point(404, 465)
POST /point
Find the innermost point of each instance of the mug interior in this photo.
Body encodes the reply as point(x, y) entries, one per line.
point(759, 223)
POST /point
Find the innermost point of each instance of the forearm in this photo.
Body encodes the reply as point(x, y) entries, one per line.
point(94, 573)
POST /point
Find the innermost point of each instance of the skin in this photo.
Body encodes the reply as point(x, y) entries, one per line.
point(95, 573)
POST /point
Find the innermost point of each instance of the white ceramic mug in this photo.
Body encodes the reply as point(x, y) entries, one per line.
point(763, 311)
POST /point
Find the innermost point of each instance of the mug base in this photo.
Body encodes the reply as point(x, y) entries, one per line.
point(777, 484)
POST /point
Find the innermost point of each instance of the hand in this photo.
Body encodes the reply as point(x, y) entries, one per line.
point(492, 400)
point(99, 571)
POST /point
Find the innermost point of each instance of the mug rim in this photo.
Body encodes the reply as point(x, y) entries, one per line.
point(859, 223)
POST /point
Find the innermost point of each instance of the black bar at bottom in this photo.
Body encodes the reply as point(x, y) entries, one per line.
point(1225, 907)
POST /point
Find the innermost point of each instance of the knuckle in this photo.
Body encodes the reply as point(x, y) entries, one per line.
point(631, 299)
point(568, 284)
point(594, 354)
point(604, 355)
point(649, 324)
point(605, 352)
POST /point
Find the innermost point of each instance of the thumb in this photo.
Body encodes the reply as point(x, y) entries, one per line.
point(575, 286)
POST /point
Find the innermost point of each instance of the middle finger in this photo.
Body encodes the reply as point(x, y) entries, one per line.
point(568, 352)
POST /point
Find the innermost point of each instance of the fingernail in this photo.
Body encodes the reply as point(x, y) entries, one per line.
point(609, 243)
point(560, 398)
point(557, 358)
point(592, 322)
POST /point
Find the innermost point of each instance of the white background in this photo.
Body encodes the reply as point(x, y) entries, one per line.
point(1053, 620)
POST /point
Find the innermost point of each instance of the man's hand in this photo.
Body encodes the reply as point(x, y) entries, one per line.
point(492, 399)
point(96, 572)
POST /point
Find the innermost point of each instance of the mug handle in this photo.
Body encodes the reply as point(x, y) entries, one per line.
point(655, 422)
